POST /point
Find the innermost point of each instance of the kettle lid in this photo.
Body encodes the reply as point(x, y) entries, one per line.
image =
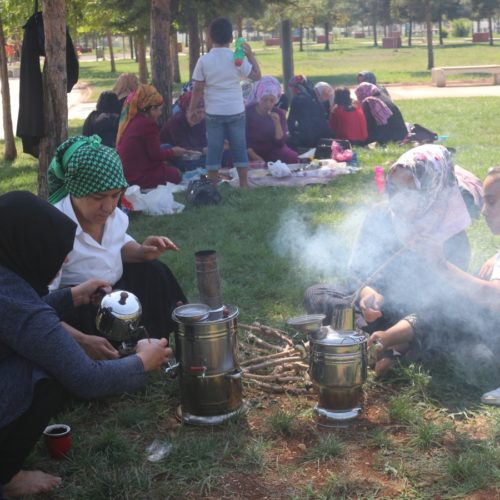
point(122, 304)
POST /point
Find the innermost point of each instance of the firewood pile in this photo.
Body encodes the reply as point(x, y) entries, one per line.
point(271, 361)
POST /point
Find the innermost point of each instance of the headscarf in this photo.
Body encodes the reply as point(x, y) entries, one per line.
point(300, 85)
point(108, 103)
point(267, 85)
point(36, 237)
point(367, 76)
point(83, 166)
point(143, 98)
point(367, 92)
point(436, 207)
point(324, 92)
point(126, 83)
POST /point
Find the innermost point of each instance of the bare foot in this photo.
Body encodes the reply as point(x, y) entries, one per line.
point(30, 482)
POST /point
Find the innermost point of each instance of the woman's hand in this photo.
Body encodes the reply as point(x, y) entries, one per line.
point(154, 354)
point(275, 117)
point(154, 246)
point(487, 268)
point(253, 156)
point(370, 303)
point(377, 338)
point(90, 291)
point(98, 348)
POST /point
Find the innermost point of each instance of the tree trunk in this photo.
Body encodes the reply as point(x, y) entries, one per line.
point(111, 53)
point(55, 99)
point(428, 22)
point(375, 42)
point(490, 29)
point(239, 25)
point(287, 53)
point(410, 32)
point(174, 56)
point(141, 59)
point(10, 152)
point(301, 37)
point(123, 46)
point(478, 26)
point(160, 57)
point(440, 23)
point(131, 46)
point(327, 36)
point(194, 39)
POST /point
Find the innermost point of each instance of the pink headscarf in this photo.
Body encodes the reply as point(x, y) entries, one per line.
point(267, 85)
point(367, 92)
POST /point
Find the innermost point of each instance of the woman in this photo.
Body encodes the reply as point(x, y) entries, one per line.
point(369, 77)
point(469, 305)
point(138, 141)
point(392, 280)
point(39, 360)
point(86, 182)
point(347, 122)
point(307, 120)
point(103, 121)
point(124, 86)
point(324, 93)
point(383, 118)
point(177, 131)
point(267, 129)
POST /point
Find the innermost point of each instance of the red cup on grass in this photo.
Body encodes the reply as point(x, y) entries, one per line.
point(58, 439)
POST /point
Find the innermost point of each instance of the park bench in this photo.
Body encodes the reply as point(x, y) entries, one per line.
point(439, 74)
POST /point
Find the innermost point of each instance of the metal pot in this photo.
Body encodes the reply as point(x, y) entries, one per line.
point(338, 368)
point(119, 315)
point(210, 376)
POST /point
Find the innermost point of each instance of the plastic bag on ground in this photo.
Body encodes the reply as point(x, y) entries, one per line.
point(157, 201)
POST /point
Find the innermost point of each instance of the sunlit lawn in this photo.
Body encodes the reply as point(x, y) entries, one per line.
point(267, 284)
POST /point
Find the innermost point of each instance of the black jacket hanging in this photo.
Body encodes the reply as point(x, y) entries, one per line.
point(30, 126)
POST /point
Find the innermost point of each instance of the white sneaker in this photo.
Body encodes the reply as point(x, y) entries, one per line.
point(491, 397)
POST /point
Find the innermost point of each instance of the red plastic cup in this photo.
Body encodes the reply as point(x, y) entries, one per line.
point(58, 440)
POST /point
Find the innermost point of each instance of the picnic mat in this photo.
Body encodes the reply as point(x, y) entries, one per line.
point(323, 175)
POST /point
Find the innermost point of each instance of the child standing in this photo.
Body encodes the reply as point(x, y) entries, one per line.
point(217, 78)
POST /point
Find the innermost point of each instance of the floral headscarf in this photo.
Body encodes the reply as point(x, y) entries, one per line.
point(267, 85)
point(367, 92)
point(435, 207)
point(142, 99)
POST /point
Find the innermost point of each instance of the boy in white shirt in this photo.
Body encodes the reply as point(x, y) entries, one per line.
point(216, 78)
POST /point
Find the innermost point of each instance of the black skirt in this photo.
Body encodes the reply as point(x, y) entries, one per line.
point(158, 291)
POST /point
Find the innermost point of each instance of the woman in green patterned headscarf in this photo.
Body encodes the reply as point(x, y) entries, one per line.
point(86, 183)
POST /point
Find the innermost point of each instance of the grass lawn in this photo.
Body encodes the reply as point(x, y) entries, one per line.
point(423, 435)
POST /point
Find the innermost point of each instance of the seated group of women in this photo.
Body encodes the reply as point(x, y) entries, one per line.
point(322, 112)
point(49, 345)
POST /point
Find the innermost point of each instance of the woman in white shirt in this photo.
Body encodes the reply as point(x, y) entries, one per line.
point(86, 182)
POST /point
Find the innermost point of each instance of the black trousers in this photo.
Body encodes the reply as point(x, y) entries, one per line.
point(18, 438)
point(158, 291)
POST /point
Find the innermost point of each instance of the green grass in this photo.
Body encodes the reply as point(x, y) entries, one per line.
point(428, 409)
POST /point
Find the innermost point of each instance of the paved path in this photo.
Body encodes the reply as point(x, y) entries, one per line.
point(78, 107)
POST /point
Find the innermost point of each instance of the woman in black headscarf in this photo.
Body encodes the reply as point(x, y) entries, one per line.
point(103, 121)
point(39, 360)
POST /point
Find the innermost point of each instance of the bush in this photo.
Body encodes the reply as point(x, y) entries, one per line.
point(461, 27)
point(444, 33)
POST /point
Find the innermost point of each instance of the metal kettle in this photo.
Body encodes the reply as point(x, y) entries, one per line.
point(119, 315)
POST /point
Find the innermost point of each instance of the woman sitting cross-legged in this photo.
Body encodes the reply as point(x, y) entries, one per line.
point(86, 182)
point(383, 118)
point(396, 281)
point(138, 141)
point(40, 362)
point(267, 130)
point(103, 121)
point(346, 120)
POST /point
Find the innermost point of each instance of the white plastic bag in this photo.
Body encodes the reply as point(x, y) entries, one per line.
point(157, 201)
point(278, 169)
